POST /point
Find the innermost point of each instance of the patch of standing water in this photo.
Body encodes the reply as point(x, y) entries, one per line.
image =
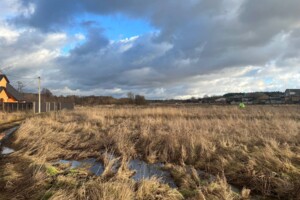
point(6, 151)
point(95, 167)
point(7, 134)
point(143, 170)
point(146, 171)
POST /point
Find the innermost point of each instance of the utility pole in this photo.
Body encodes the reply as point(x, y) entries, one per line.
point(39, 94)
point(20, 86)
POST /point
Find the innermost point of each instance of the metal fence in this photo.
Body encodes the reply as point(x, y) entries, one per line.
point(34, 106)
point(15, 107)
point(52, 106)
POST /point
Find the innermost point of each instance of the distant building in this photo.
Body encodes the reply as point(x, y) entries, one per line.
point(277, 100)
point(7, 92)
point(221, 100)
point(292, 96)
point(262, 98)
point(236, 99)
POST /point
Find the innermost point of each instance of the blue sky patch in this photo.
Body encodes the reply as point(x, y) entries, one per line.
point(115, 27)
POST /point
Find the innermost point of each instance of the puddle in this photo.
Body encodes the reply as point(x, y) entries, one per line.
point(6, 151)
point(146, 171)
point(9, 132)
point(95, 167)
point(143, 170)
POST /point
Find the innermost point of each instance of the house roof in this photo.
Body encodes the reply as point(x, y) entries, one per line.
point(13, 92)
point(296, 91)
point(10, 90)
point(3, 76)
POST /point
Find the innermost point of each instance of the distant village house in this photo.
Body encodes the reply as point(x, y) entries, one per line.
point(292, 96)
point(8, 94)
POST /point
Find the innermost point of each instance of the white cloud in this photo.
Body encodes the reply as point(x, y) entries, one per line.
point(205, 47)
point(8, 34)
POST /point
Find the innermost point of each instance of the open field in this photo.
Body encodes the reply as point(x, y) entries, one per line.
point(256, 149)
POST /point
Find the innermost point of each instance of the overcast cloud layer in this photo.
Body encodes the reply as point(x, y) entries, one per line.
point(197, 47)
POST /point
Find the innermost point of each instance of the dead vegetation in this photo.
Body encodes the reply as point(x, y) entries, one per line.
point(9, 120)
point(256, 148)
point(12, 117)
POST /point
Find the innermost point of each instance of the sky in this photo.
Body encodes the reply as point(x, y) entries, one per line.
point(160, 49)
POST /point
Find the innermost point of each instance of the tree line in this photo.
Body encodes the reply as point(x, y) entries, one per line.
point(47, 96)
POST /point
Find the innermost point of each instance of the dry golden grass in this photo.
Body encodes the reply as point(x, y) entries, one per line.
point(257, 148)
point(11, 117)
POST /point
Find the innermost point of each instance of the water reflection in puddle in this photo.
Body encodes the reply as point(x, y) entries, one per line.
point(7, 134)
point(6, 151)
point(142, 169)
point(95, 167)
point(146, 171)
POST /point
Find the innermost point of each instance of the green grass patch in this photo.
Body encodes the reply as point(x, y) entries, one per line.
point(52, 171)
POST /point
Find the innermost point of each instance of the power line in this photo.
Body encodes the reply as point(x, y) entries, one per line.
point(25, 83)
point(19, 77)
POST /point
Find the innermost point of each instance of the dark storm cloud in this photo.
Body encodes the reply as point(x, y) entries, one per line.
point(195, 37)
point(95, 41)
point(256, 12)
point(49, 15)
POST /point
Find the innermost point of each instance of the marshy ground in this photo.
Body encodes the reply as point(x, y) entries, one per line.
point(214, 152)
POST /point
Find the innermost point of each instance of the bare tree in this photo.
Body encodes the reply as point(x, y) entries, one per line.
point(131, 97)
point(46, 93)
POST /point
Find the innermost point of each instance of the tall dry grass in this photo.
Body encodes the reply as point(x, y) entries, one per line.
point(11, 117)
point(257, 147)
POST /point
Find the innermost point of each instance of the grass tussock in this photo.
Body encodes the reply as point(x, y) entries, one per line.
point(256, 148)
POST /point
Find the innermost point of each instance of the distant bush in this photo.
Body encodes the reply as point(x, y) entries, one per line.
point(140, 100)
